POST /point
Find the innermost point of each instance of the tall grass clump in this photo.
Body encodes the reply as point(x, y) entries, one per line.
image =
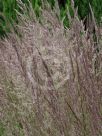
point(50, 77)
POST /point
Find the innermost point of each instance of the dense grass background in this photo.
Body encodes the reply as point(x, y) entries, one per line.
point(8, 13)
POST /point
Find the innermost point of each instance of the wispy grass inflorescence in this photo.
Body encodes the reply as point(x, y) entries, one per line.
point(50, 78)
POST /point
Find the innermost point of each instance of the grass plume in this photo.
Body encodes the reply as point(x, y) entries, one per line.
point(50, 79)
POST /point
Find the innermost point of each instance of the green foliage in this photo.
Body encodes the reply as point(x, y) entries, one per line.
point(84, 9)
point(64, 12)
point(8, 14)
point(97, 8)
point(1, 129)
